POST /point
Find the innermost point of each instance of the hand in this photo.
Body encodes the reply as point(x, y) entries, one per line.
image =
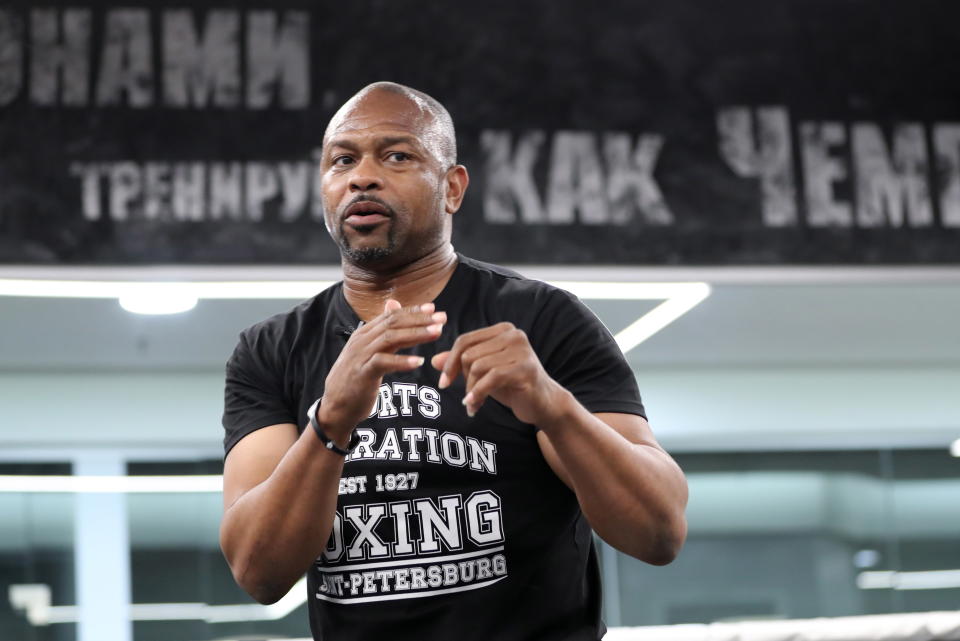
point(498, 361)
point(354, 380)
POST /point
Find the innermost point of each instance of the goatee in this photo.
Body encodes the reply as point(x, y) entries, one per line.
point(366, 255)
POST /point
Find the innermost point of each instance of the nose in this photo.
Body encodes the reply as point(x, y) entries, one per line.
point(365, 176)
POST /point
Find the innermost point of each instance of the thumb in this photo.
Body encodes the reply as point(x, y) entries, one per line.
point(391, 305)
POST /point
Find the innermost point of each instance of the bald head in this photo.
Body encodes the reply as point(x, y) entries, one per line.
point(438, 132)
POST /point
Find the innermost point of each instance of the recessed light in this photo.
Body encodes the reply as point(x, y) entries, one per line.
point(154, 301)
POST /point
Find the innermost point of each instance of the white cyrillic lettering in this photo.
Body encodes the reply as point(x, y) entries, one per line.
point(125, 188)
point(126, 63)
point(946, 142)
point(59, 62)
point(261, 186)
point(278, 54)
point(189, 181)
point(11, 56)
point(509, 181)
point(630, 183)
point(885, 185)
point(575, 181)
point(226, 190)
point(295, 185)
point(767, 156)
point(89, 174)
point(156, 190)
point(201, 70)
point(820, 171)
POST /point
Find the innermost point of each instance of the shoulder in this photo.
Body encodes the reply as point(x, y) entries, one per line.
point(512, 289)
point(543, 311)
point(275, 335)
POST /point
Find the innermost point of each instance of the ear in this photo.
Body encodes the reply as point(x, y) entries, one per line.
point(456, 180)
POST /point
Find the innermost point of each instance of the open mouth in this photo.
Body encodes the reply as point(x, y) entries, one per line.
point(366, 213)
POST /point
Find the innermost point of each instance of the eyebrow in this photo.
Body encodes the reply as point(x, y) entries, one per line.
point(382, 142)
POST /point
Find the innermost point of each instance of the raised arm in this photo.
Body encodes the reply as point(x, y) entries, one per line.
point(631, 491)
point(280, 489)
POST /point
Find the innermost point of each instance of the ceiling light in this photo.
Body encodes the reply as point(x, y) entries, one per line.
point(112, 484)
point(925, 580)
point(866, 558)
point(239, 290)
point(159, 298)
point(678, 299)
point(146, 297)
point(34, 600)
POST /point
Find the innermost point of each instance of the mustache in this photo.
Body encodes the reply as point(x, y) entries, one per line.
point(366, 198)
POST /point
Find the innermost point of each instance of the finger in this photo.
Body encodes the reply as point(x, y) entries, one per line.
point(393, 310)
point(482, 352)
point(381, 364)
point(391, 340)
point(400, 318)
point(452, 365)
point(480, 367)
point(491, 381)
point(439, 359)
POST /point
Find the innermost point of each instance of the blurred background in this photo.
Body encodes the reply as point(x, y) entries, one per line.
point(761, 200)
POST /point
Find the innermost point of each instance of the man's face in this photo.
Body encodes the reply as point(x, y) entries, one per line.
point(382, 182)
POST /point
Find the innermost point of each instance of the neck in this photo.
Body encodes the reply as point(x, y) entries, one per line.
point(367, 288)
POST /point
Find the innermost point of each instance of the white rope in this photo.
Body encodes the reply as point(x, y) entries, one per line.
point(919, 626)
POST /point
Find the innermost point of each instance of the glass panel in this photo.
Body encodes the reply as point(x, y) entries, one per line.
point(176, 559)
point(771, 535)
point(927, 528)
point(36, 558)
point(785, 535)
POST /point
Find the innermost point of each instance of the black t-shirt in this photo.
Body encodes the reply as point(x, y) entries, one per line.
point(447, 527)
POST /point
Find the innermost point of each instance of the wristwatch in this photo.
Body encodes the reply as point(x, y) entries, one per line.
point(326, 440)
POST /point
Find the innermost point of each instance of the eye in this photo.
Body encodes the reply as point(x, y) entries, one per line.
point(340, 161)
point(398, 156)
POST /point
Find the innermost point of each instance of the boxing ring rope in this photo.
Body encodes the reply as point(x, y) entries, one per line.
point(914, 626)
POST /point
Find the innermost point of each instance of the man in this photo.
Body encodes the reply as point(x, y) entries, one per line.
point(432, 439)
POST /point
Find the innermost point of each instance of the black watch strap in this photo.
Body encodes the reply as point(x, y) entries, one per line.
point(326, 440)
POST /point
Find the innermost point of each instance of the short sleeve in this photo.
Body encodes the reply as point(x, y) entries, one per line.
point(253, 393)
point(579, 353)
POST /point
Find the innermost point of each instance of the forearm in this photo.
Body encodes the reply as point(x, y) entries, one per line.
point(272, 533)
point(633, 494)
point(281, 493)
